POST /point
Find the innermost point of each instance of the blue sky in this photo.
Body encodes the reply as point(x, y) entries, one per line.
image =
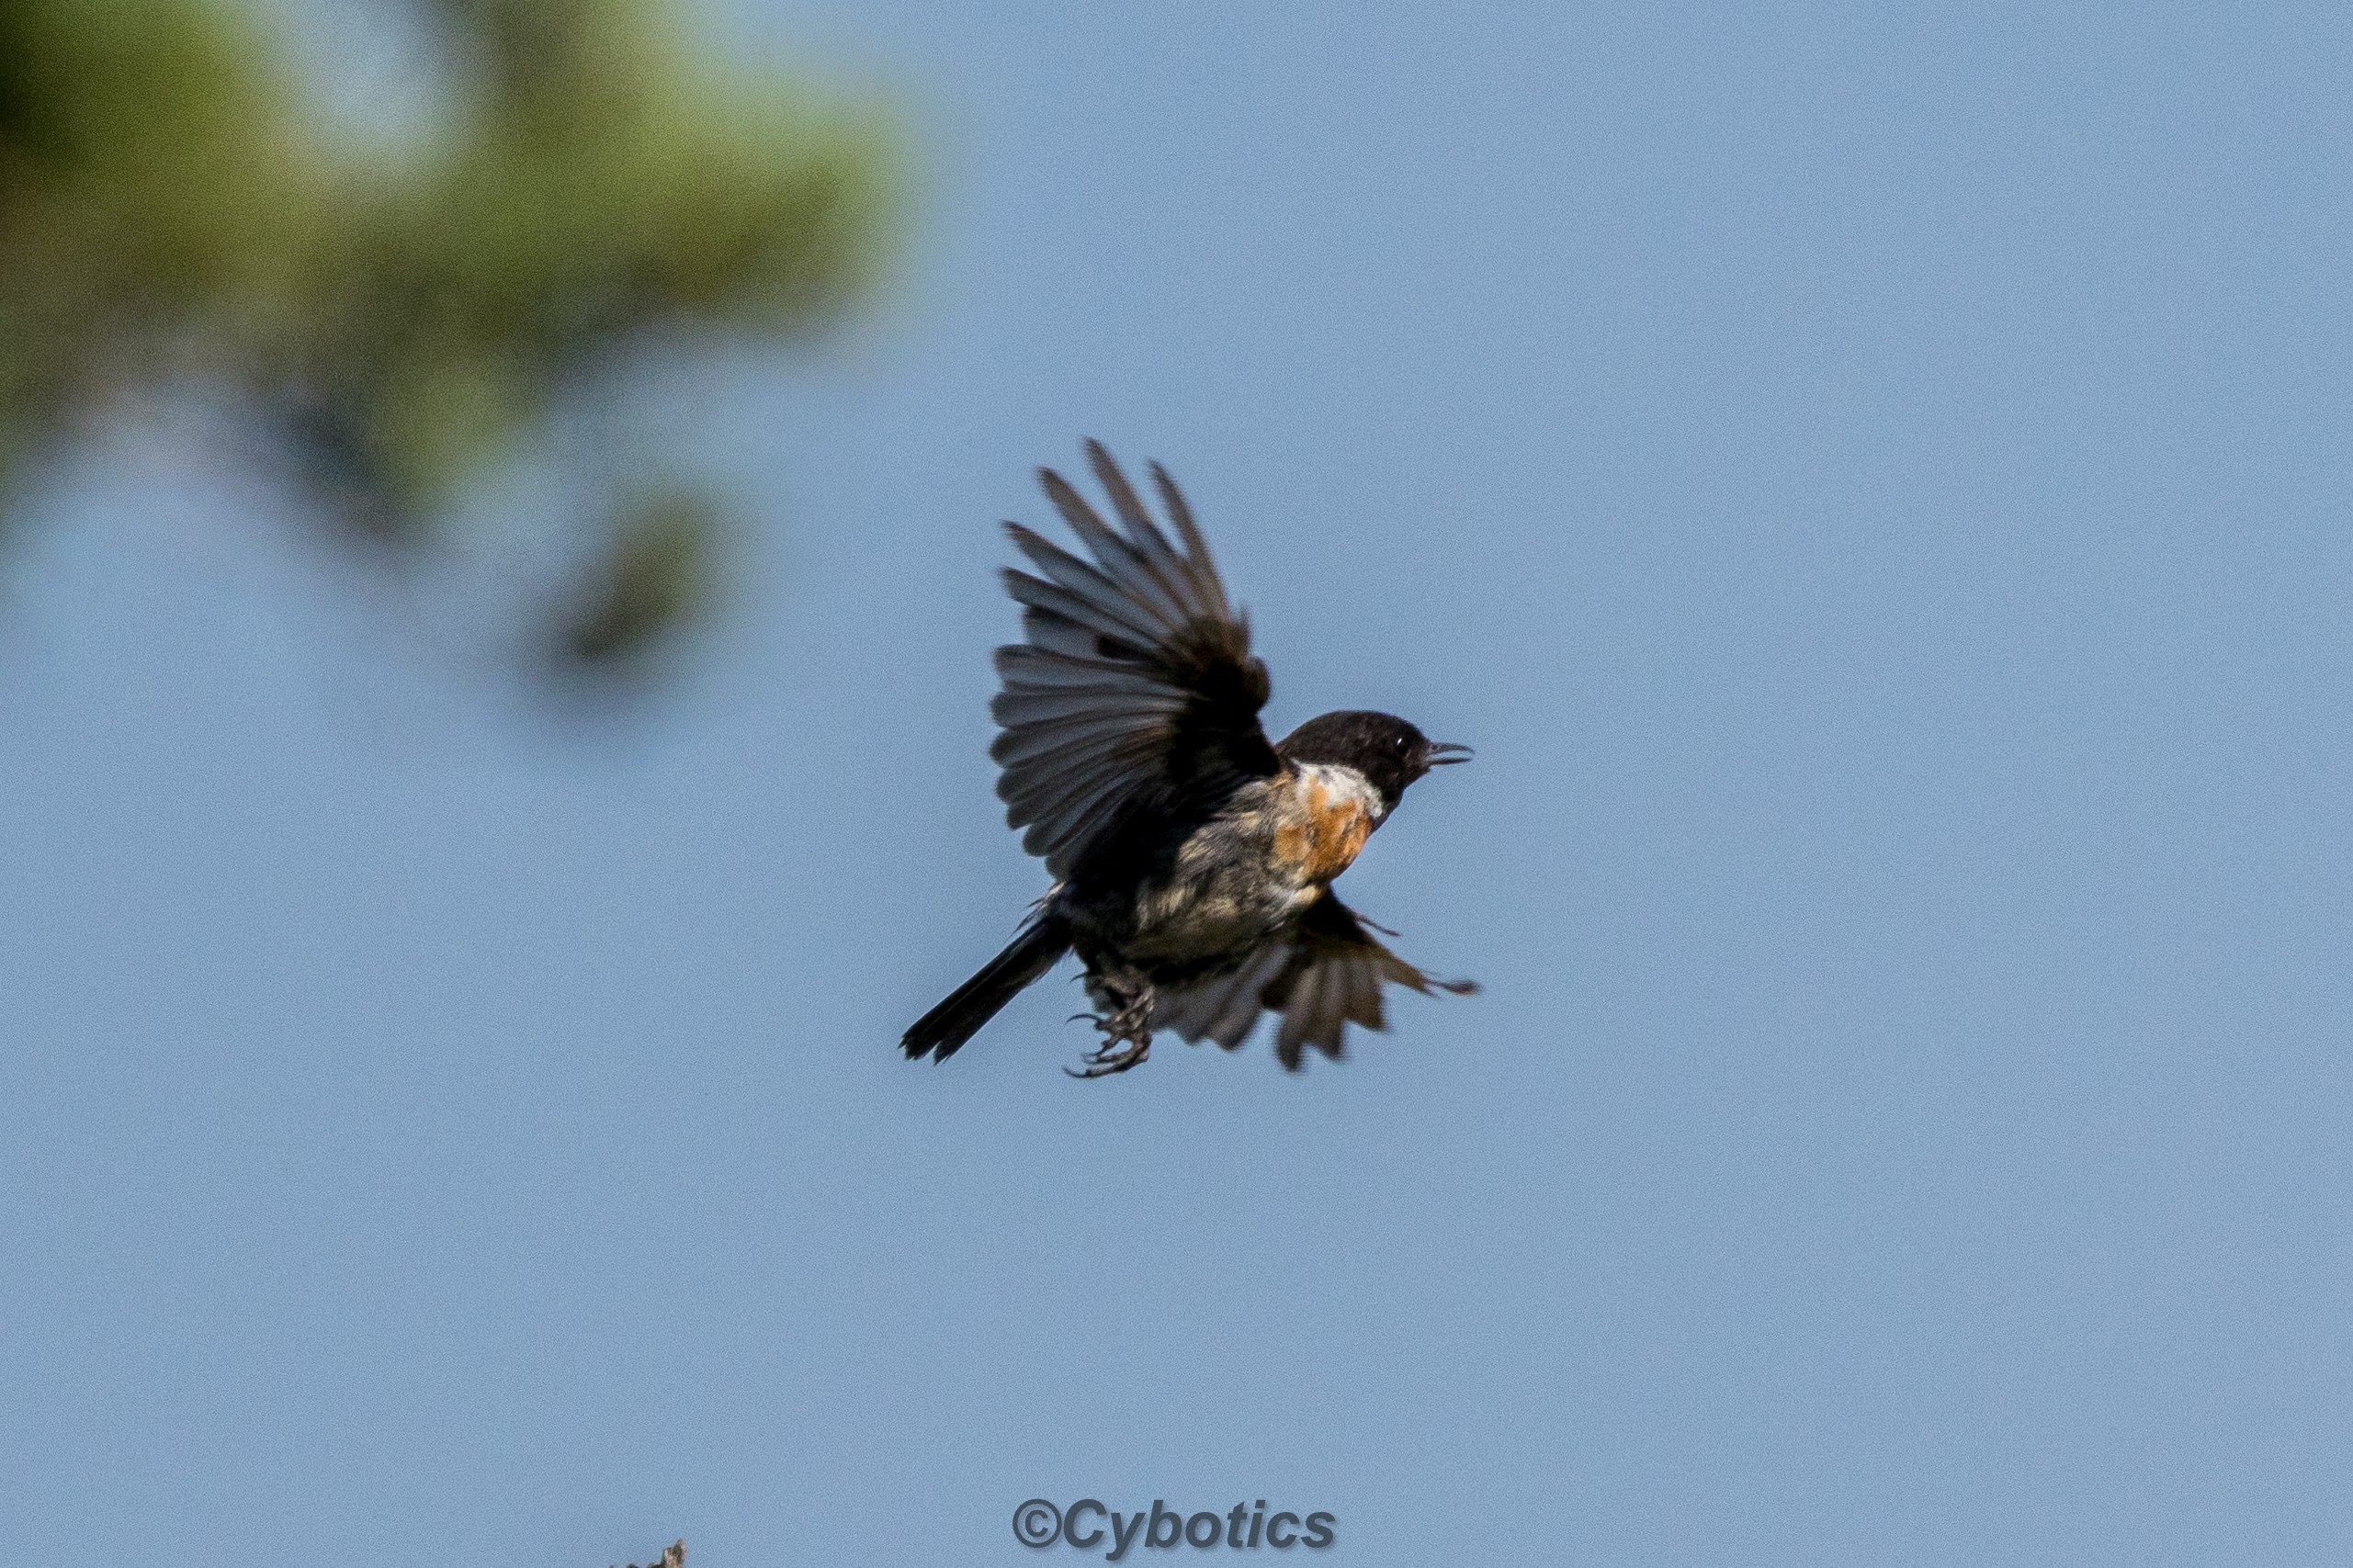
point(1872, 486)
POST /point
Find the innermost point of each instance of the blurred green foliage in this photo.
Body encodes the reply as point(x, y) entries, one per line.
point(394, 315)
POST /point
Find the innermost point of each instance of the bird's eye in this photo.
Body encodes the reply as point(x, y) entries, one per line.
point(1398, 745)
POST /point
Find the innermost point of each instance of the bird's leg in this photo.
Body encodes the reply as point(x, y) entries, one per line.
point(1126, 1030)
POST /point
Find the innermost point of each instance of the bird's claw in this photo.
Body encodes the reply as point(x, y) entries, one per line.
point(1112, 1057)
point(1127, 1040)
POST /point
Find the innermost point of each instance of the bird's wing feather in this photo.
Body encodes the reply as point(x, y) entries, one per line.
point(1136, 682)
point(1327, 977)
point(1221, 1006)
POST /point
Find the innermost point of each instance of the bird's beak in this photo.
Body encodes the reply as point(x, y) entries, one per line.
point(1445, 751)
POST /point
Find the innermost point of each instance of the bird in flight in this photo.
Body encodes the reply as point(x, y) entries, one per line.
point(1192, 859)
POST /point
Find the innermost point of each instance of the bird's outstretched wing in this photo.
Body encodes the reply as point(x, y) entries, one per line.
point(1136, 682)
point(1326, 977)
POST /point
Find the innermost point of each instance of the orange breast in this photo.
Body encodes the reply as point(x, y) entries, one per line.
point(1324, 835)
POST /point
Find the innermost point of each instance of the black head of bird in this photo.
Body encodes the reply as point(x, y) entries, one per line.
point(1386, 750)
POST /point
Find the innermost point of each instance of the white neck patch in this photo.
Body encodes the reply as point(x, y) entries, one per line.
point(1347, 783)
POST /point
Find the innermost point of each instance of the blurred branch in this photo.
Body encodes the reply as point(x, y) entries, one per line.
point(659, 569)
point(396, 320)
point(672, 1556)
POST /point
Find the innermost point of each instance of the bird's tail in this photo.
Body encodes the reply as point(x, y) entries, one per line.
point(939, 1033)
